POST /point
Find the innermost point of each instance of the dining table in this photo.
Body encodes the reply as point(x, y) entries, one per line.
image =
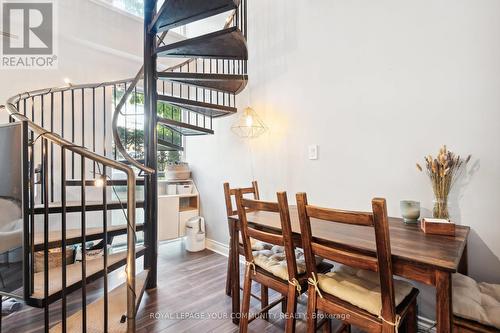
point(416, 256)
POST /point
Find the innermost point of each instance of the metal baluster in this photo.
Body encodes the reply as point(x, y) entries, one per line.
point(33, 109)
point(83, 118)
point(84, 248)
point(45, 194)
point(105, 240)
point(114, 108)
point(236, 23)
point(72, 132)
point(104, 115)
point(32, 204)
point(63, 237)
point(42, 110)
point(51, 148)
point(135, 117)
point(42, 183)
point(93, 127)
point(196, 71)
point(245, 19)
point(62, 114)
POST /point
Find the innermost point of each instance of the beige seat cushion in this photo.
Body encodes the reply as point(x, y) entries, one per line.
point(274, 261)
point(479, 302)
point(360, 288)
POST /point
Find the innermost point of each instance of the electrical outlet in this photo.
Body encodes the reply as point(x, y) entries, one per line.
point(313, 152)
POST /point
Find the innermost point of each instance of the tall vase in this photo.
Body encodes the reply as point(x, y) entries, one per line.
point(440, 210)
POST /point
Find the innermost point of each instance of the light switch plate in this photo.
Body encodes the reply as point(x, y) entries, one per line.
point(313, 152)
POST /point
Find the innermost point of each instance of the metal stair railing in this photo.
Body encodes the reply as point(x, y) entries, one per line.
point(46, 136)
point(237, 19)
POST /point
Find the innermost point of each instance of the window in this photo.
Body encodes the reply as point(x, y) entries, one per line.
point(135, 7)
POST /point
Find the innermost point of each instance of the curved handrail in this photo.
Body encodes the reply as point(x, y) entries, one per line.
point(84, 152)
point(118, 144)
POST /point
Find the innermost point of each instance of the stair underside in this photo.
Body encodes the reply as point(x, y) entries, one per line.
point(224, 44)
point(184, 128)
point(207, 109)
point(76, 206)
point(74, 236)
point(95, 270)
point(176, 13)
point(164, 145)
point(117, 307)
point(230, 83)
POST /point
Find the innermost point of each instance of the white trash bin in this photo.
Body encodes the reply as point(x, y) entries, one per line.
point(195, 234)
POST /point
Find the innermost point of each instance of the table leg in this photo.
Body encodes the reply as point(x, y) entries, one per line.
point(235, 272)
point(444, 309)
point(463, 266)
point(229, 274)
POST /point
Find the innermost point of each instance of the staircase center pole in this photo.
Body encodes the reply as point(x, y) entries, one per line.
point(150, 146)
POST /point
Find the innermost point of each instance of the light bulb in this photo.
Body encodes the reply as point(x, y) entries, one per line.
point(249, 120)
point(99, 182)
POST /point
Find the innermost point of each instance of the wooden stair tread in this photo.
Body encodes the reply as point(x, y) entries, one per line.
point(74, 235)
point(207, 109)
point(74, 273)
point(180, 12)
point(117, 307)
point(164, 145)
point(224, 44)
point(76, 206)
point(231, 83)
point(184, 128)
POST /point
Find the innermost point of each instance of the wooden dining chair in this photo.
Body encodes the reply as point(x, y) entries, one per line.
point(475, 305)
point(230, 211)
point(269, 271)
point(362, 293)
point(229, 193)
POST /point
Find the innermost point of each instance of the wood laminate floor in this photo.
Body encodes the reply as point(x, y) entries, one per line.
point(190, 298)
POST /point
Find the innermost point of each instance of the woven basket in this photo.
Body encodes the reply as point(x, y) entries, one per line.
point(55, 258)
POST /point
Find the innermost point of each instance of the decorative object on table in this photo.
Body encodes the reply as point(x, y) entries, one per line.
point(410, 211)
point(177, 171)
point(249, 124)
point(438, 227)
point(443, 171)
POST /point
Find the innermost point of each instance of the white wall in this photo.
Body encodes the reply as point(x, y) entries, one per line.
point(378, 85)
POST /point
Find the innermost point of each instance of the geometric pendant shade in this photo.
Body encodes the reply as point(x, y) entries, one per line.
point(249, 125)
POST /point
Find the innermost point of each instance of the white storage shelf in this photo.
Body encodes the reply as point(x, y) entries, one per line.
point(175, 209)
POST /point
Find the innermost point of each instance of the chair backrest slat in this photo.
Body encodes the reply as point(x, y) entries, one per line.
point(256, 205)
point(345, 257)
point(284, 239)
point(380, 261)
point(340, 216)
point(228, 192)
point(265, 236)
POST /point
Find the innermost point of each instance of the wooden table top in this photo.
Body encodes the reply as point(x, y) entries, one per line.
point(408, 242)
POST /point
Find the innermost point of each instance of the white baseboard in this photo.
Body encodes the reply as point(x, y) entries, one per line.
point(217, 247)
point(424, 324)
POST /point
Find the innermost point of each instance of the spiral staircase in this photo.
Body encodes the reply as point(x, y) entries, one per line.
point(91, 176)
